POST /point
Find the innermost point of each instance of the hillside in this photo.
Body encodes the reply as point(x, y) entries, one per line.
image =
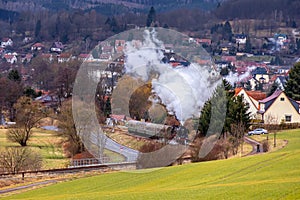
point(108, 7)
point(277, 10)
point(273, 175)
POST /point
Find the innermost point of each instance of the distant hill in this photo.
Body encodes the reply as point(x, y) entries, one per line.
point(108, 7)
point(259, 9)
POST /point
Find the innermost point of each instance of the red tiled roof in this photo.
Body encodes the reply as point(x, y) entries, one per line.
point(83, 55)
point(237, 91)
point(8, 56)
point(229, 58)
point(38, 45)
point(257, 95)
point(46, 55)
point(5, 39)
point(65, 55)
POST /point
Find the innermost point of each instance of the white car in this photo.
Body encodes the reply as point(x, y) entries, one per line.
point(258, 131)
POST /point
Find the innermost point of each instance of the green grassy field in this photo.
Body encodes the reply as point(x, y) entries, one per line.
point(274, 175)
point(46, 143)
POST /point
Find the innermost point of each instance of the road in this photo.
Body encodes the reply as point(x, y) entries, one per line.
point(131, 155)
point(254, 144)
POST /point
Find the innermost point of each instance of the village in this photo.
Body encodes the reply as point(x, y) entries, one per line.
point(262, 67)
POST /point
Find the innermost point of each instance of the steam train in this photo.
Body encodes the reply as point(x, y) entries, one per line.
point(156, 131)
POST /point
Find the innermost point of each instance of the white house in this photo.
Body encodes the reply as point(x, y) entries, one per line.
point(10, 58)
point(6, 42)
point(240, 38)
point(279, 108)
point(85, 57)
point(64, 57)
point(252, 99)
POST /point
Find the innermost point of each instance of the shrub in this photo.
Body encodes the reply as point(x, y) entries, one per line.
point(265, 146)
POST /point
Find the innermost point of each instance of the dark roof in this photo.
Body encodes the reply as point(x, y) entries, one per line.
point(58, 45)
point(295, 104)
point(240, 36)
point(269, 100)
point(282, 79)
point(259, 70)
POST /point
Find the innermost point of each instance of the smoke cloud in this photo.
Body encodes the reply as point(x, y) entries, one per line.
point(182, 89)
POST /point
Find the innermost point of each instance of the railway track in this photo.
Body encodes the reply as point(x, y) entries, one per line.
point(71, 169)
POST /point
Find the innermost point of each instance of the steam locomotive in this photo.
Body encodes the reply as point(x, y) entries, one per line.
point(156, 131)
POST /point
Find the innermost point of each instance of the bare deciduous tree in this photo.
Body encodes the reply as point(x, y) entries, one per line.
point(28, 114)
point(237, 136)
point(17, 159)
point(72, 140)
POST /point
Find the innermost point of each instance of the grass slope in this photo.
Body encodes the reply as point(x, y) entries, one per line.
point(273, 175)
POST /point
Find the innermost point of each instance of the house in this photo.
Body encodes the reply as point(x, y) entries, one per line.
point(280, 38)
point(252, 99)
point(6, 42)
point(107, 50)
point(48, 100)
point(169, 48)
point(47, 56)
point(279, 108)
point(240, 38)
point(85, 57)
point(259, 76)
point(204, 41)
point(283, 69)
point(119, 43)
point(57, 47)
point(120, 49)
point(10, 58)
point(27, 39)
point(105, 57)
point(37, 47)
point(64, 57)
point(229, 59)
point(27, 58)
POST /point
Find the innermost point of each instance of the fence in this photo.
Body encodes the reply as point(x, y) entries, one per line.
point(88, 161)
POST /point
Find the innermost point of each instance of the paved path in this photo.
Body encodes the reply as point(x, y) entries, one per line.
point(27, 186)
point(254, 144)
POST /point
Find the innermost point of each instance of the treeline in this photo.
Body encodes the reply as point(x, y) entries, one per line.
point(256, 9)
point(77, 25)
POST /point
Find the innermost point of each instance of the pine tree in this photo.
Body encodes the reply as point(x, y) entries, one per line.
point(38, 27)
point(292, 88)
point(14, 75)
point(248, 46)
point(151, 18)
point(237, 110)
point(107, 107)
point(227, 31)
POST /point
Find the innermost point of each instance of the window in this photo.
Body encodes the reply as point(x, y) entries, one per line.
point(282, 99)
point(288, 118)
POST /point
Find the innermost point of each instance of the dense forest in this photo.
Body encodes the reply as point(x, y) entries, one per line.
point(258, 9)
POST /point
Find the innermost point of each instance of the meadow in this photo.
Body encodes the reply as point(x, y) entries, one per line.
point(274, 175)
point(44, 142)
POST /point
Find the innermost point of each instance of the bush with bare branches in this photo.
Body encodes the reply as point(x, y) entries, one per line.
point(16, 159)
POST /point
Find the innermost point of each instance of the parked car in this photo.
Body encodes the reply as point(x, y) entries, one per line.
point(258, 131)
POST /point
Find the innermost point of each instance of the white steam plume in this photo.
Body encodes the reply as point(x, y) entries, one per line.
point(183, 90)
